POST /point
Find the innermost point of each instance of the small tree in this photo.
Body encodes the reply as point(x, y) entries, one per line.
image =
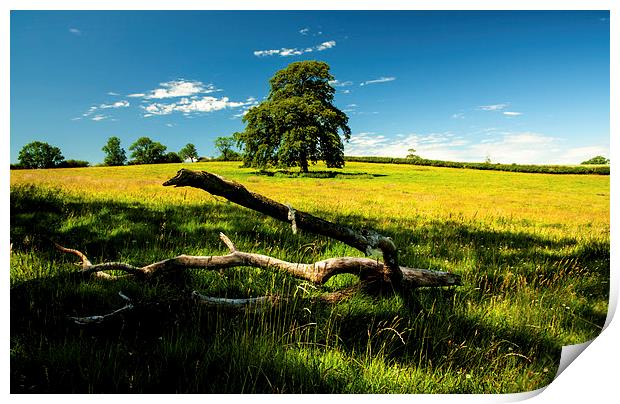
point(115, 154)
point(40, 155)
point(189, 152)
point(225, 146)
point(146, 151)
point(412, 154)
point(597, 160)
point(298, 122)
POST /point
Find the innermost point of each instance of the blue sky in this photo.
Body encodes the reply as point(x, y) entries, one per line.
point(514, 86)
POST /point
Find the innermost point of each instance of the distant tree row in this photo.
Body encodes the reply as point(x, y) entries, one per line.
point(145, 151)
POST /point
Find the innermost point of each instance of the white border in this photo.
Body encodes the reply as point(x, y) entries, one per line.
point(593, 376)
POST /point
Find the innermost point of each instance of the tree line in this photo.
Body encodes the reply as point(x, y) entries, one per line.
point(39, 154)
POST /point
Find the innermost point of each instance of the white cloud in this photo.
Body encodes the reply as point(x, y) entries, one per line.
point(295, 51)
point(75, 31)
point(459, 115)
point(188, 106)
point(505, 147)
point(113, 93)
point(493, 107)
point(136, 95)
point(179, 88)
point(325, 45)
point(76, 118)
point(336, 83)
point(118, 104)
point(511, 113)
point(249, 103)
point(269, 52)
point(576, 155)
point(379, 80)
point(99, 117)
point(304, 31)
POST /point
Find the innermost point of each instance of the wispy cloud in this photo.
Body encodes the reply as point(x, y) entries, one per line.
point(511, 113)
point(112, 93)
point(118, 104)
point(75, 31)
point(295, 51)
point(136, 95)
point(379, 80)
point(459, 115)
point(336, 83)
point(493, 107)
point(307, 31)
point(99, 117)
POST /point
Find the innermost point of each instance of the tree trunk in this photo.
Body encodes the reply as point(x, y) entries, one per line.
point(303, 164)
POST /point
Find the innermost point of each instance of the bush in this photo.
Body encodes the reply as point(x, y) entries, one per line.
point(74, 164)
point(171, 157)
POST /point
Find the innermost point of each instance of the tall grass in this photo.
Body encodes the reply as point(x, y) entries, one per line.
point(534, 261)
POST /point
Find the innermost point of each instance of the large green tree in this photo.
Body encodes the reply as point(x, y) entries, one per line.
point(114, 153)
point(189, 152)
point(297, 123)
point(40, 155)
point(146, 151)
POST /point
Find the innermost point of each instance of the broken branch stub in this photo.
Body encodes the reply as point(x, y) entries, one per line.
point(365, 241)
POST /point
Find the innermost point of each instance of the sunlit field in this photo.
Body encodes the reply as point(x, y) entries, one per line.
point(532, 250)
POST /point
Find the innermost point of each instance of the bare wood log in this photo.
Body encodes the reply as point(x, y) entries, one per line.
point(318, 272)
point(365, 241)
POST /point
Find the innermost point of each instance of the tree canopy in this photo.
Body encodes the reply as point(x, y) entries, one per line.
point(40, 155)
point(115, 154)
point(188, 152)
point(146, 151)
point(297, 123)
point(597, 160)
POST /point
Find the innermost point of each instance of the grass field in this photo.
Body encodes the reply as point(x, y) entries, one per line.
point(533, 251)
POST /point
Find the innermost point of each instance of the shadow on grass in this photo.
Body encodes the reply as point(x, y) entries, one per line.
point(168, 344)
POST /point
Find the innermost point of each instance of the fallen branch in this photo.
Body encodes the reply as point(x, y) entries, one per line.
point(319, 272)
point(100, 319)
point(366, 241)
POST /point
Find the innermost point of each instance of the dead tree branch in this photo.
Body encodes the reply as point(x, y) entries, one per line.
point(365, 241)
point(318, 272)
point(100, 319)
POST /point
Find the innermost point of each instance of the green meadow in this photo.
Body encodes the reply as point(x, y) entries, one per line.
point(532, 250)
